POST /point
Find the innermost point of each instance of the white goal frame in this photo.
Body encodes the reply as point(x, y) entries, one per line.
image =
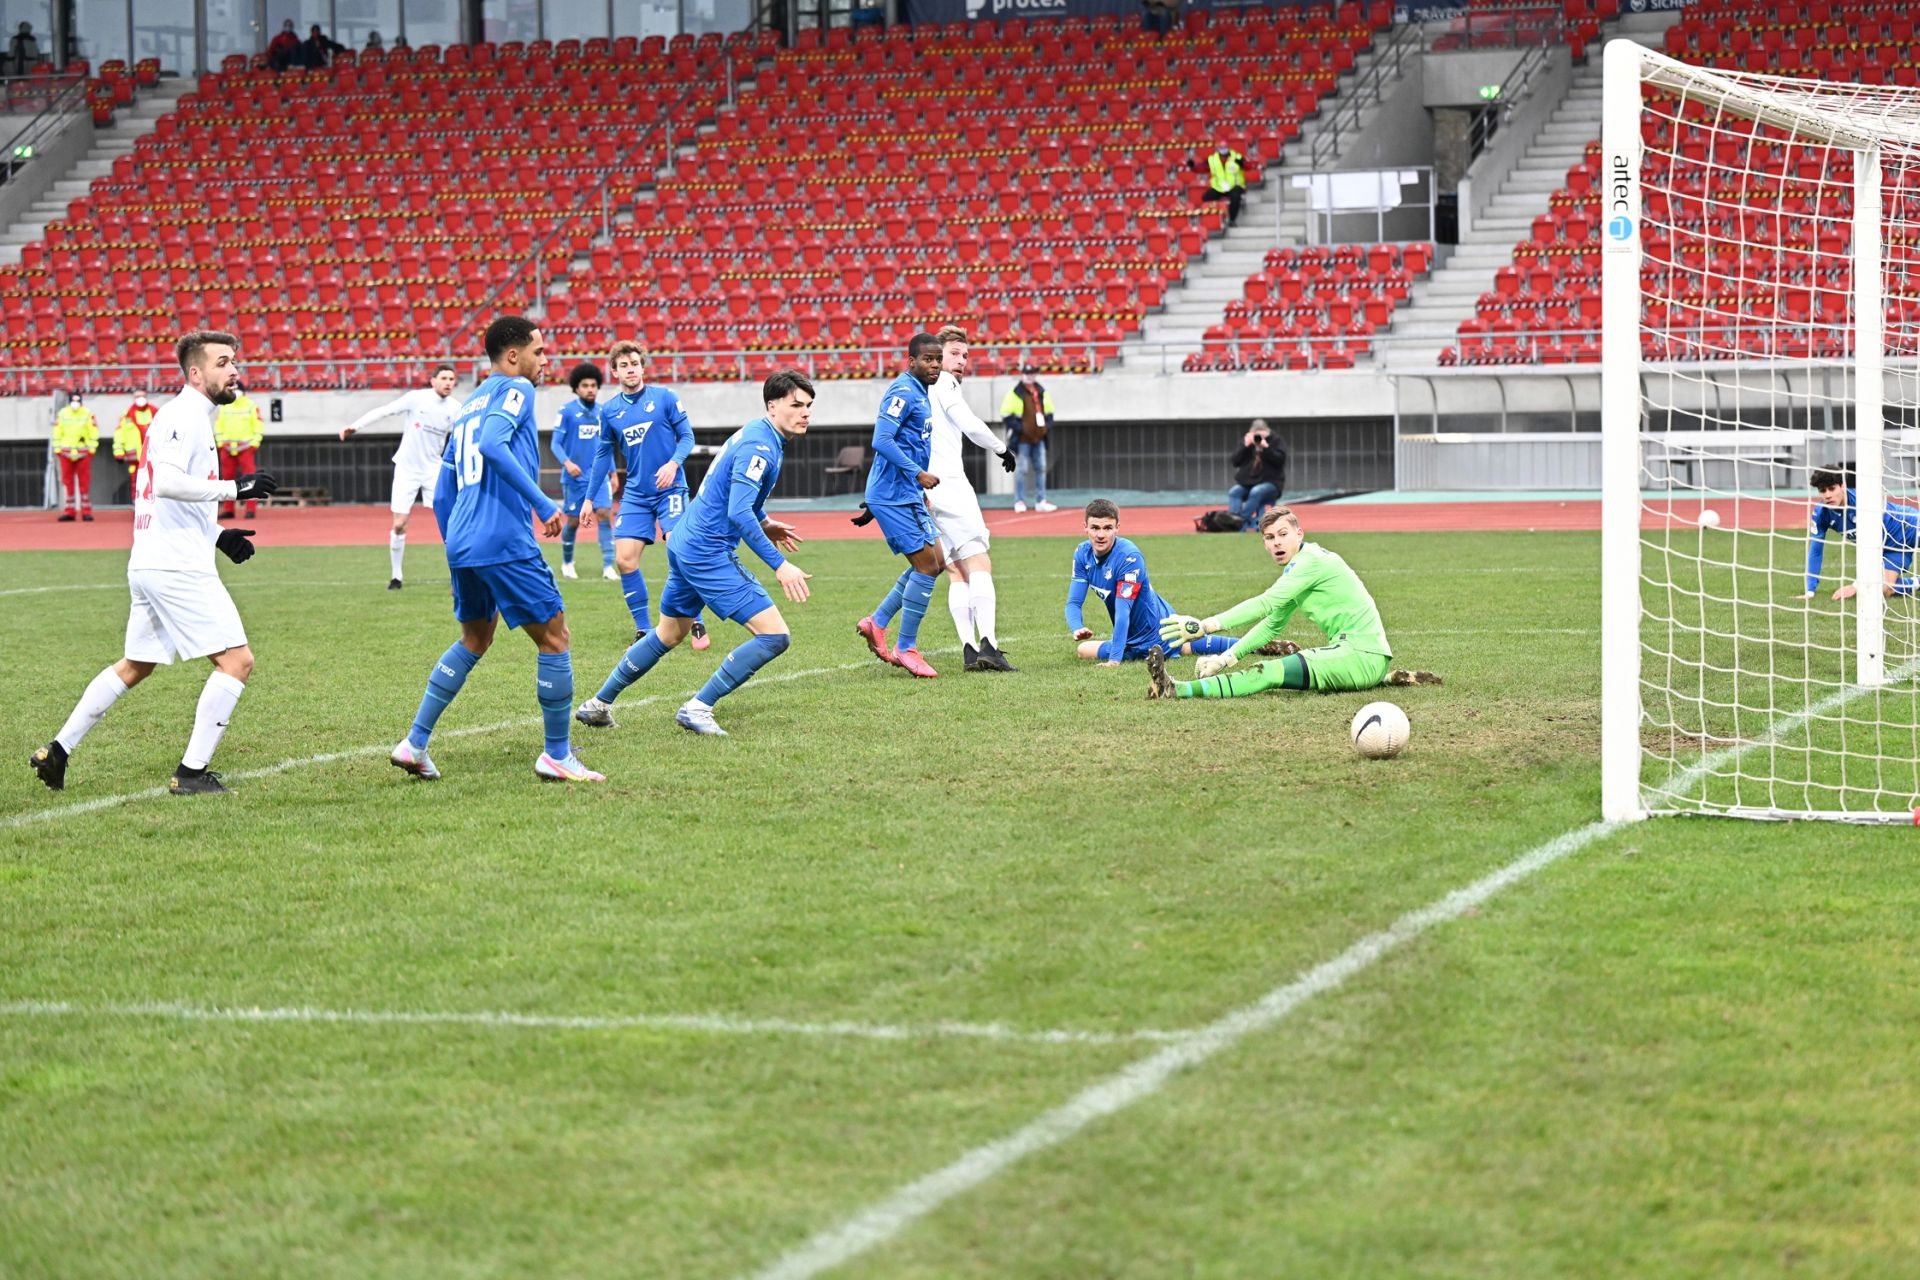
point(1862, 121)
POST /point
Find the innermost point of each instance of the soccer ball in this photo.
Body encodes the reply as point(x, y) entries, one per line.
point(1379, 730)
point(1709, 519)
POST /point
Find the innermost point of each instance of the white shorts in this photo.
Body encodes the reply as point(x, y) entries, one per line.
point(957, 518)
point(185, 614)
point(411, 487)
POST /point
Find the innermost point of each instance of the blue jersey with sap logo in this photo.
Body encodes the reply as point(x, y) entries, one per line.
point(576, 436)
point(1899, 531)
point(1120, 580)
point(902, 442)
point(493, 453)
point(645, 430)
point(733, 500)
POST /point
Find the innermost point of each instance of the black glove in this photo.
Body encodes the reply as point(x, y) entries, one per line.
point(864, 518)
point(1007, 461)
point(254, 485)
point(235, 545)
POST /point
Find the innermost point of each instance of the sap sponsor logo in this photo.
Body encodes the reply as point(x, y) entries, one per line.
point(1620, 228)
point(1030, 8)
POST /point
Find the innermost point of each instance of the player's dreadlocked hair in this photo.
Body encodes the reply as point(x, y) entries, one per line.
point(582, 371)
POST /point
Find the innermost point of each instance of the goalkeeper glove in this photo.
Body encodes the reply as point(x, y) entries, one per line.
point(865, 517)
point(1007, 461)
point(234, 545)
point(1178, 628)
point(1214, 663)
point(254, 485)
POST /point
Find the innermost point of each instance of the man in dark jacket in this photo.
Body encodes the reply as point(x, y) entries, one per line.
point(1027, 413)
point(1259, 474)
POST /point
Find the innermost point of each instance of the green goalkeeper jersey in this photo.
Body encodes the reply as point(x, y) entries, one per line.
point(1318, 583)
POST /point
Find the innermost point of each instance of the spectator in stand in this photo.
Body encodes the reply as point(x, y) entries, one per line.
point(373, 41)
point(1226, 178)
point(1259, 474)
point(1160, 16)
point(318, 50)
point(1027, 413)
point(400, 41)
point(130, 436)
point(23, 51)
point(237, 433)
point(75, 436)
point(283, 50)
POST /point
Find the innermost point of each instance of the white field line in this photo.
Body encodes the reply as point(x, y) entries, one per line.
point(881, 1221)
point(31, 817)
point(705, 1024)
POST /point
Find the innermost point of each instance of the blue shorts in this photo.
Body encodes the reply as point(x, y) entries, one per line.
point(573, 494)
point(641, 511)
point(908, 528)
point(722, 586)
point(521, 591)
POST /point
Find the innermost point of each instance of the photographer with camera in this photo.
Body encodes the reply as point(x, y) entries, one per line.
point(1259, 474)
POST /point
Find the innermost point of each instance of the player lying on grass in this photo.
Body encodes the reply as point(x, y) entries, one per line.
point(1834, 509)
point(1313, 581)
point(1114, 569)
point(703, 563)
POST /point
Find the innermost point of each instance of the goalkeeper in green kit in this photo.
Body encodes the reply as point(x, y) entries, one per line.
point(1313, 581)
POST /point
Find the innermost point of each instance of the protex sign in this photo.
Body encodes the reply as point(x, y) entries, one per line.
point(1016, 8)
point(1620, 231)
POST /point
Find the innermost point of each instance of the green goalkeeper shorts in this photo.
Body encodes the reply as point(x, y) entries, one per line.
point(1339, 667)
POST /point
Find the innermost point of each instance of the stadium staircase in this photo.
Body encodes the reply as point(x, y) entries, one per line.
point(1198, 306)
point(130, 123)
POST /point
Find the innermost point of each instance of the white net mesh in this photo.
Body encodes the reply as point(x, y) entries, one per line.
point(1752, 698)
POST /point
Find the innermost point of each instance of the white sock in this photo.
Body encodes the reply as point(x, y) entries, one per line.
point(984, 605)
point(102, 692)
point(960, 605)
point(210, 718)
point(397, 552)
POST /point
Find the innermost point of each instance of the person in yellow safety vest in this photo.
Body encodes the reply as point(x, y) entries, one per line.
point(75, 436)
point(1226, 178)
point(130, 436)
point(237, 432)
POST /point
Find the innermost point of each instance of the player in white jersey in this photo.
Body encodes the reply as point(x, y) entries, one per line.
point(180, 606)
point(416, 463)
point(956, 508)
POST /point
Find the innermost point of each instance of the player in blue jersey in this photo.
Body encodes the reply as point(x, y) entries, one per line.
point(576, 442)
point(645, 437)
point(1114, 569)
point(896, 500)
point(703, 562)
point(488, 485)
point(1833, 510)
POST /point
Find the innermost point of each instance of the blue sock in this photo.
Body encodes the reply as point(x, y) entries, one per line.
point(918, 595)
point(891, 605)
point(443, 682)
point(568, 536)
point(1213, 644)
point(634, 663)
point(606, 543)
point(740, 665)
point(554, 681)
point(634, 586)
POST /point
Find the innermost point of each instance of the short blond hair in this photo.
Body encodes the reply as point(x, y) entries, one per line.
point(951, 333)
point(626, 348)
point(1276, 514)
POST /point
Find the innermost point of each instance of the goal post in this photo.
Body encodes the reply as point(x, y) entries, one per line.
point(1760, 287)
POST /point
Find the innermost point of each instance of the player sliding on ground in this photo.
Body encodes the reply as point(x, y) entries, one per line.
point(488, 487)
point(1313, 581)
point(1834, 509)
point(703, 564)
point(1113, 569)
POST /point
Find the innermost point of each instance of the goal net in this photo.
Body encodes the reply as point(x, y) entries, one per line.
point(1760, 243)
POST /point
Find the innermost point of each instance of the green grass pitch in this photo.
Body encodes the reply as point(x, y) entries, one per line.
point(1685, 1050)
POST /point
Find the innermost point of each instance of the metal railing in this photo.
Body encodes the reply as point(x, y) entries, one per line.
point(1369, 88)
point(55, 111)
point(1514, 90)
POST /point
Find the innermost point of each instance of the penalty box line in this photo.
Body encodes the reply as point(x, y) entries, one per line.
point(883, 1220)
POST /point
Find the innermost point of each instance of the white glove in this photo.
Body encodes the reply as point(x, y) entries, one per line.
point(1213, 664)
